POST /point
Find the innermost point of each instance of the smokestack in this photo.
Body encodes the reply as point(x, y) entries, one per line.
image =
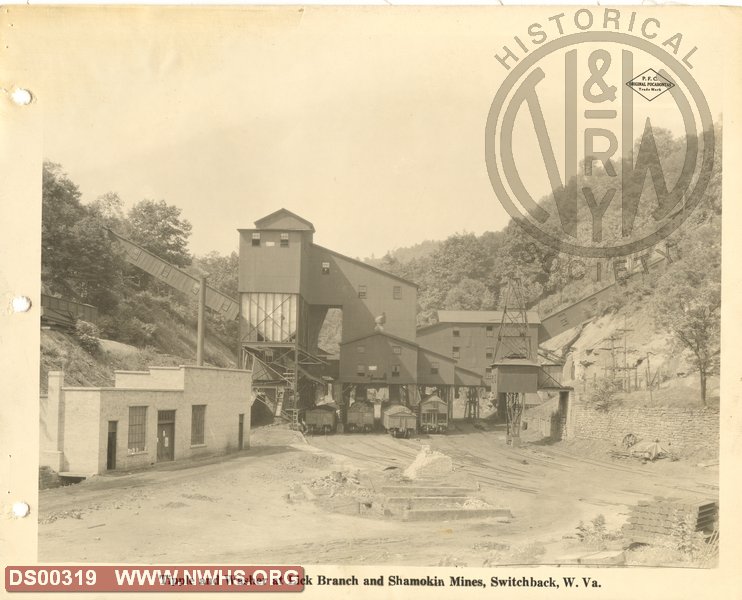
point(201, 333)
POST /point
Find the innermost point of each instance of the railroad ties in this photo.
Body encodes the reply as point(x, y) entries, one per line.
point(667, 519)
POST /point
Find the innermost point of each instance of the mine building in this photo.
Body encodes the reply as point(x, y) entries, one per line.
point(287, 284)
point(470, 338)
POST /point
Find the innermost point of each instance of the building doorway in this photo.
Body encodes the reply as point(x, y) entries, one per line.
point(165, 435)
point(241, 433)
point(111, 450)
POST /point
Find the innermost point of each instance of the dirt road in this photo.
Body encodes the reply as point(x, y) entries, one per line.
point(258, 506)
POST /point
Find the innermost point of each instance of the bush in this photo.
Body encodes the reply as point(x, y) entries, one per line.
point(595, 533)
point(88, 335)
point(602, 395)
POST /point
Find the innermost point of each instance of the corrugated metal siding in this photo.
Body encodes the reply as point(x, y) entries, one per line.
point(180, 280)
point(66, 312)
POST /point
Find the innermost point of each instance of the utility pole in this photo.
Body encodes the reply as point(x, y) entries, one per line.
point(201, 332)
point(627, 375)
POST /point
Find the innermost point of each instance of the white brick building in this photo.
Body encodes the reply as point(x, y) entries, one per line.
point(166, 413)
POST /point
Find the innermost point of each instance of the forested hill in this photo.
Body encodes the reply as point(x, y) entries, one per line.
point(469, 272)
point(464, 272)
point(142, 322)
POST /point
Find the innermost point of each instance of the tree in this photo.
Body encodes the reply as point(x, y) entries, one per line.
point(60, 211)
point(470, 294)
point(158, 227)
point(78, 259)
point(687, 302)
point(222, 271)
point(110, 210)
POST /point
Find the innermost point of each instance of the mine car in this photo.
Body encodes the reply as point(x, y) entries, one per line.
point(321, 419)
point(400, 421)
point(433, 415)
point(361, 416)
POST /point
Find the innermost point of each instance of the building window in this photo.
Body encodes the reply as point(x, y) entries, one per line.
point(397, 349)
point(395, 370)
point(489, 353)
point(137, 428)
point(284, 240)
point(372, 368)
point(434, 368)
point(488, 373)
point(456, 332)
point(256, 239)
point(490, 331)
point(325, 268)
point(397, 292)
point(361, 291)
point(165, 271)
point(361, 349)
point(198, 423)
point(456, 352)
point(361, 370)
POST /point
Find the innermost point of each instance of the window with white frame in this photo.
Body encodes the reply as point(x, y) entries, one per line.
point(137, 428)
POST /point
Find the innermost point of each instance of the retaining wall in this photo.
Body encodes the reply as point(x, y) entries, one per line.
point(678, 429)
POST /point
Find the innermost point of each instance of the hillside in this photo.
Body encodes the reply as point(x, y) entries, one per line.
point(649, 348)
point(62, 351)
point(673, 313)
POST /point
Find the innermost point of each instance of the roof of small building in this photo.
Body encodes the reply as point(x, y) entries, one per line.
point(360, 263)
point(518, 362)
point(481, 316)
point(396, 409)
point(268, 220)
point(384, 334)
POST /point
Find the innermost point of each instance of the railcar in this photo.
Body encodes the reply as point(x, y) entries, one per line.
point(320, 419)
point(360, 416)
point(433, 415)
point(400, 421)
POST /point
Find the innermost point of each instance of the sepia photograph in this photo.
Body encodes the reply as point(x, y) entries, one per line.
point(436, 291)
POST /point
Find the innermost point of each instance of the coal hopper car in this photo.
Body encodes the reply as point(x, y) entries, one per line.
point(360, 417)
point(320, 419)
point(433, 415)
point(399, 421)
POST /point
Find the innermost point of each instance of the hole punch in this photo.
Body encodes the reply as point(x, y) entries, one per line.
point(20, 510)
point(21, 96)
point(21, 304)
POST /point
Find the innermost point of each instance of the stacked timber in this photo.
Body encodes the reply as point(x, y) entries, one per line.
point(666, 519)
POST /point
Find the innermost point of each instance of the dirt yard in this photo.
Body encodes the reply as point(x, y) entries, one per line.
point(312, 501)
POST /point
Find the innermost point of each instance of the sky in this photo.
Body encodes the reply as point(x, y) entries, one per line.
point(371, 128)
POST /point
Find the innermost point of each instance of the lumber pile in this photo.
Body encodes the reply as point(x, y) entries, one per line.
point(665, 519)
